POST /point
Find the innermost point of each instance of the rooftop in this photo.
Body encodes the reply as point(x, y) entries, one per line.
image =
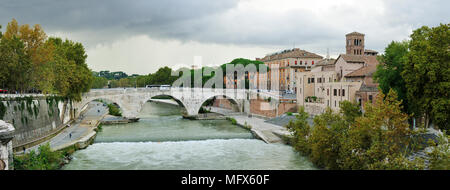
point(355, 33)
point(370, 66)
point(324, 62)
point(293, 53)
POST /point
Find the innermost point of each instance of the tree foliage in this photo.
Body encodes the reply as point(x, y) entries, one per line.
point(99, 82)
point(379, 139)
point(32, 62)
point(45, 159)
point(388, 75)
point(427, 74)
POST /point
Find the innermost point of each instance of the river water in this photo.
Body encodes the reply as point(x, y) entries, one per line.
point(163, 140)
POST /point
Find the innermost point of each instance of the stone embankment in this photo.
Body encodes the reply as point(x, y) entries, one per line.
point(267, 132)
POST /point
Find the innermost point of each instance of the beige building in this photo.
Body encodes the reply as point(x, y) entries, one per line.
point(288, 63)
point(330, 82)
point(318, 90)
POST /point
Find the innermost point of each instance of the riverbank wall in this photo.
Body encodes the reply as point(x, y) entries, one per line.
point(36, 118)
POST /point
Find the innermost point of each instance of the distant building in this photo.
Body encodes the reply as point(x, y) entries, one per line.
point(349, 77)
point(288, 63)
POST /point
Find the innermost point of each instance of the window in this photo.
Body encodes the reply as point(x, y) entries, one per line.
point(335, 92)
point(295, 62)
point(312, 80)
point(328, 92)
point(343, 92)
point(335, 102)
point(370, 98)
point(309, 80)
point(301, 62)
point(339, 92)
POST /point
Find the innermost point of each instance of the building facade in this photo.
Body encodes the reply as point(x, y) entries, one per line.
point(349, 77)
point(286, 64)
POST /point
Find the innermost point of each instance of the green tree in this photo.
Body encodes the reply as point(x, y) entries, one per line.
point(380, 139)
point(388, 75)
point(15, 65)
point(301, 131)
point(427, 75)
point(326, 137)
point(99, 82)
point(73, 75)
point(350, 111)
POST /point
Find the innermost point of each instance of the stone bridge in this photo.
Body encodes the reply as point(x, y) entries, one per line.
point(131, 100)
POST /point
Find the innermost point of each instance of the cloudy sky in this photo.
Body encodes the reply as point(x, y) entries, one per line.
point(139, 36)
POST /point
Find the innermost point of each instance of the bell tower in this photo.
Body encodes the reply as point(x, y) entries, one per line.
point(354, 43)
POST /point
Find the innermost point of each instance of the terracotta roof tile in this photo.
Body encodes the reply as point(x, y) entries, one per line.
point(353, 58)
point(294, 53)
point(370, 67)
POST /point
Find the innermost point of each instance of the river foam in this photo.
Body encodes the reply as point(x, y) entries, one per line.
point(233, 154)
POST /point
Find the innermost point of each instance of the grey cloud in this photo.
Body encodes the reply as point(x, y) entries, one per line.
point(211, 21)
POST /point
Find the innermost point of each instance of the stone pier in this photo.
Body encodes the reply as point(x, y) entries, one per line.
point(6, 151)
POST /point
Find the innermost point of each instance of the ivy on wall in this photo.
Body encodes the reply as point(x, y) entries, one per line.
point(27, 104)
point(2, 110)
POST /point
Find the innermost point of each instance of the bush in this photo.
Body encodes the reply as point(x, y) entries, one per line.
point(233, 121)
point(114, 110)
point(45, 160)
point(440, 155)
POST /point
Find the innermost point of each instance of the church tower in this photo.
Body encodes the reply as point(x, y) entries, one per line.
point(354, 44)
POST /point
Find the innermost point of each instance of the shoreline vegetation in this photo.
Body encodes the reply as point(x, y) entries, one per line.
point(44, 158)
point(379, 139)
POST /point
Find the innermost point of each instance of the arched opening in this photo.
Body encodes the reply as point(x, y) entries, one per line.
point(219, 104)
point(100, 105)
point(167, 101)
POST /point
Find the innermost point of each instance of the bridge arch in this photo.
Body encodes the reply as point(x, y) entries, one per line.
point(179, 102)
point(85, 102)
point(235, 104)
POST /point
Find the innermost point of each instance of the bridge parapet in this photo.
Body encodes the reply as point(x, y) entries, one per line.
point(131, 100)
